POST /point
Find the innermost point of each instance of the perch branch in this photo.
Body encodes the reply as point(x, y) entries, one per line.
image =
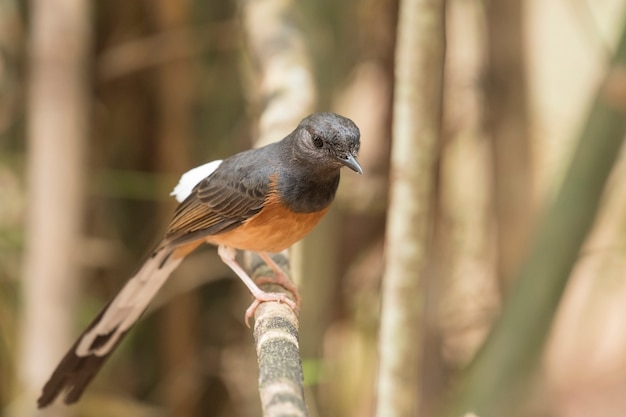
point(281, 384)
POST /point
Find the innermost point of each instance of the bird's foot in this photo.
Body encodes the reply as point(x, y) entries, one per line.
point(262, 297)
point(279, 278)
point(227, 255)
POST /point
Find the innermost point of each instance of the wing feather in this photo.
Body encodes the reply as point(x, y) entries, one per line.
point(219, 203)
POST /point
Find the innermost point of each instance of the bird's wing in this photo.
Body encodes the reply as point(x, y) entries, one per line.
point(220, 202)
point(191, 178)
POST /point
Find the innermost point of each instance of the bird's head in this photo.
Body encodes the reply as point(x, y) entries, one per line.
point(329, 139)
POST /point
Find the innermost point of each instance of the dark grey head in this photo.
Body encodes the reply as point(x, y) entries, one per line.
point(329, 139)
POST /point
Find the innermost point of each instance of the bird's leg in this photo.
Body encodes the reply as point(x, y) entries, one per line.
point(280, 277)
point(227, 255)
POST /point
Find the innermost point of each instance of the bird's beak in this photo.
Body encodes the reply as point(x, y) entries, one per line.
point(351, 162)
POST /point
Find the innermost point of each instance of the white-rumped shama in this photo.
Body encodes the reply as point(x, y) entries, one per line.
point(262, 200)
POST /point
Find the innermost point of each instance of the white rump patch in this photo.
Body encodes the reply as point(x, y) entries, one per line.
point(191, 178)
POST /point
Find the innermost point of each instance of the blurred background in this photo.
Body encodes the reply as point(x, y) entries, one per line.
point(104, 104)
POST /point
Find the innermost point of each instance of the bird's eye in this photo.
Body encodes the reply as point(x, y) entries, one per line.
point(318, 141)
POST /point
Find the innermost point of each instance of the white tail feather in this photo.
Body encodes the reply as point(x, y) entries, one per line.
point(128, 305)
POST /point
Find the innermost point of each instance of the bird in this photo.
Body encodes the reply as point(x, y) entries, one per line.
point(261, 200)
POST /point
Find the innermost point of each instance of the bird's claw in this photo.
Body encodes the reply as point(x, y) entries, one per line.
point(270, 296)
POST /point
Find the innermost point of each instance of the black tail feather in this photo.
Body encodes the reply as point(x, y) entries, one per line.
point(85, 358)
point(74, 373)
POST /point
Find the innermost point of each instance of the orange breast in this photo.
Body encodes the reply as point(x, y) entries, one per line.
point(273, 229)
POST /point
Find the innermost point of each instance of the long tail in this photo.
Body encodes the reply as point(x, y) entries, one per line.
point(83, 361)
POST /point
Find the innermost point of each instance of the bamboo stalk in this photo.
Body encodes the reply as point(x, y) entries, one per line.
point(513, 349)
point(420, 56)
